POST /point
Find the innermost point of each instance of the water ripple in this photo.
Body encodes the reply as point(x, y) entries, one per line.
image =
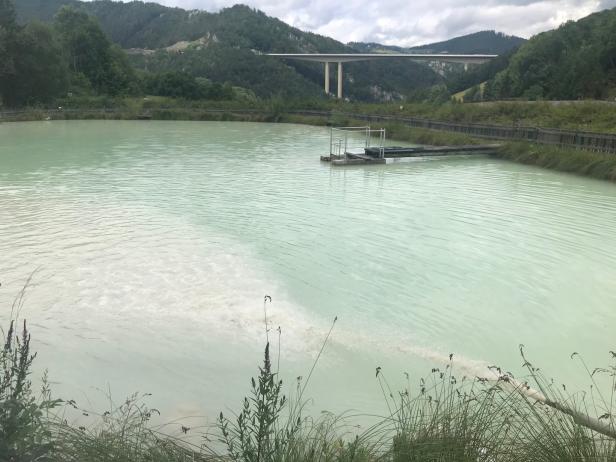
point(140, 228)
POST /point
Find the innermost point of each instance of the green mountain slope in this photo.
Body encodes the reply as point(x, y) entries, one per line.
point(373, 47)
point(488, 42)
point(460, 79)
point(228, 47)
point(577, 60)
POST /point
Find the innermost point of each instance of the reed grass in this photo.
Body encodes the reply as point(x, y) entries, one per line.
point(124, 433)
point(593, 164)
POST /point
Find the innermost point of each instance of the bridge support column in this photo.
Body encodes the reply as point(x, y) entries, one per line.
point(339, 80)
point(326, 78)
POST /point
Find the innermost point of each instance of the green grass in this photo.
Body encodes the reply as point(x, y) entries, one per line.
point(124, 433)
point(395, 131)
point(599, 116)
point(402, 132)
point(578, 115)
point(593, 164)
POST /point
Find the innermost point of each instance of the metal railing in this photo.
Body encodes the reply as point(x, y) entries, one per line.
point(355, 140)
point(590, 141)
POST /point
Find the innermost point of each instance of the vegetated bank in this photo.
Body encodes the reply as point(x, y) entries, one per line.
point(593, 164)
point(582, 115)
point(445, 416)
point(567, 115)
point(590, 116)
point(588, 163)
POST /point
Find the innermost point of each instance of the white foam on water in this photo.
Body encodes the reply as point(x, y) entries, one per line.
point(126, 268)
point(124, 264)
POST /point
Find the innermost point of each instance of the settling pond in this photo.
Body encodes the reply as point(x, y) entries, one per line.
point(154, 244)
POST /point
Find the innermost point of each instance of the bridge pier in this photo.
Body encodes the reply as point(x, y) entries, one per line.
point(339, 79)
point(326, 77)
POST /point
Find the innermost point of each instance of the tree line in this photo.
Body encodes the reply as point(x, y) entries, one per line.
point(230, 46)
point(72, 56)
point(575, 61)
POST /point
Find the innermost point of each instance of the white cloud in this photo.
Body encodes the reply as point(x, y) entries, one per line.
point(400, 22)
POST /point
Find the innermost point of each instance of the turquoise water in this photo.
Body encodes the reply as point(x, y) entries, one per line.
point(153, 244)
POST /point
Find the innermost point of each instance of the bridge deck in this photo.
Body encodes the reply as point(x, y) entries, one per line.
point(348, 57)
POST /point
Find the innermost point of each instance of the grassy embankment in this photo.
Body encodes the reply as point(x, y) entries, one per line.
point(445, 417)
point(588, 163)
point(594, 116)
point(592, 164)
point(583, 116)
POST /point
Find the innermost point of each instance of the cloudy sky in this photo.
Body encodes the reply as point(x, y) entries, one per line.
point(413, 22)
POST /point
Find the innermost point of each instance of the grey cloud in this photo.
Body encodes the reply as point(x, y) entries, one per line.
point(605, 4)
point(400, 22)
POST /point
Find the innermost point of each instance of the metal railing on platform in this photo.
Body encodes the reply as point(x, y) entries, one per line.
point(355, 140)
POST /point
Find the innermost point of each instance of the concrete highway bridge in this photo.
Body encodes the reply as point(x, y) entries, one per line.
point(340, 58)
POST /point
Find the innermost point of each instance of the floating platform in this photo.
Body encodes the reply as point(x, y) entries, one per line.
point(390, 154)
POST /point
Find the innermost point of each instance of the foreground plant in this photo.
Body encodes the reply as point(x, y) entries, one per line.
point(497, 417)
point(23, 433)
point(492, 418)
point(272, 428)
point(257, 434)
point(124, 433)
point(450, 418)
point(569, 427)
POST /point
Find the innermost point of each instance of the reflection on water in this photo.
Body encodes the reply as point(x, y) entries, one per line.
point(155, 242)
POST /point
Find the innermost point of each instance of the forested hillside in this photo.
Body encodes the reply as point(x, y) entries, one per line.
point(456, 77)
point(72, 57)
point(40, 62)
point(488, 42)
point(577, 60)
point(477, 75)
point(150, 25)
point(227, 47)
point(106, 47)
